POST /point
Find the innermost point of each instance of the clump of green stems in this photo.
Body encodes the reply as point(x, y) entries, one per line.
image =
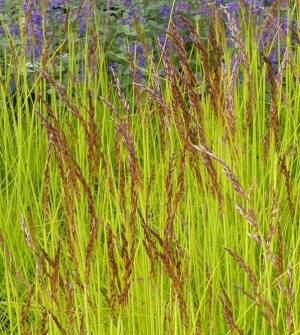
point(171, 207)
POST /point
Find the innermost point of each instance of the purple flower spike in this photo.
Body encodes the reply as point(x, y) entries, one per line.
point(163, 40)
point(164, 11)
point(14, 29)
point(137, 51)
point(127, 3)
point(54, 4)
point(33, 28)
point(112, 67)
point(183, 6)
point(233, 6)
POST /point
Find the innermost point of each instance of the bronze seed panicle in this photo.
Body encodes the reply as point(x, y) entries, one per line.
point(290, 297)
point(155, 94)
point(276, 260)
point(173, 201)
point(169, 184)
point(258, 295)
point(93, 140)
point(169, 250)
point(274, 125)
point(192, 124)
point(273, 113)
point(179, 110)
point(54, 280)
point(25, 311)
point(114, 277)
point(71, 174)
point(27, 234)
point(227, 171)
point(229, 78)
point(149, 243)
point(93, 52)
point(210, 72)
point(61, 91)
point(235, 32)
point(216, 68)
point(250, 274)
point(228, 313)
point(47, 180)
point(208, 276)
point(89, 126)
point(128, 248)
point(57, 322)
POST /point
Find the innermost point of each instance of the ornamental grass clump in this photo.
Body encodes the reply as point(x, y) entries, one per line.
point(155, 190)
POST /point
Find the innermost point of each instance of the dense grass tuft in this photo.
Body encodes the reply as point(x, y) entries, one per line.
point(170, 205)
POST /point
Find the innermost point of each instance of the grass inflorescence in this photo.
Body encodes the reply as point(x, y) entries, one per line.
point(166, 206)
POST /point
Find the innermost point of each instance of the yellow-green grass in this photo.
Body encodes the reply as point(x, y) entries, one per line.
point(132, 194)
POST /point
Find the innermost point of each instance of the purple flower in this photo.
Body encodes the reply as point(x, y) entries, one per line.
point(183, 6)
point(33, 28)
point(36, 18)
point(84, 14)
point(233, 6)
point(164, 11)
point(56, 12)
point(255, 5)
point(14, 29)
point(137, 51)
point(275, 30)
point(284, 24)
point(127, 3)
point(138, 75)
point(164, 41)
point(112, 67)
point(275, 57)
point(130, 16)
point(204, 9)
point(179, 23)
point(55, 4)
